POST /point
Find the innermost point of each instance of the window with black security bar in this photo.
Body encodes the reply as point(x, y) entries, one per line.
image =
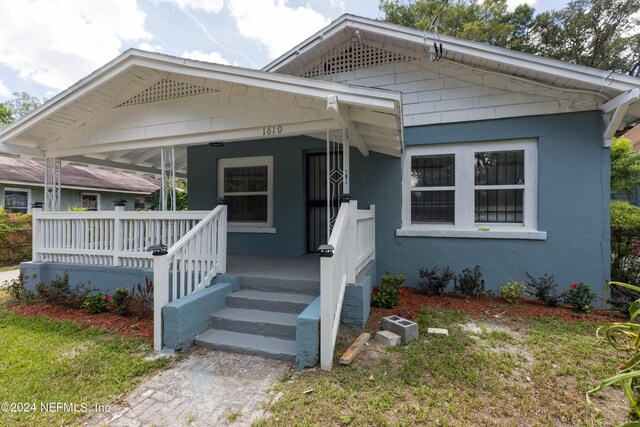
point(433, 189)
point(246, 193)
point(499, 187)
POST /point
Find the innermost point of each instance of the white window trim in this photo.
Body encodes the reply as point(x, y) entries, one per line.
point(23, 190)
point(250, 227)
point(91, 194)
point(464, 223)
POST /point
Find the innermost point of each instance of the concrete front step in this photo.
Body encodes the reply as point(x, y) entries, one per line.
point(283, 302)
point(270, 284)
point(276, 348)
point(258, 322)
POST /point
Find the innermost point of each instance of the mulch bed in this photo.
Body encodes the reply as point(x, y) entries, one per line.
point(129, 326)
point(412, 301)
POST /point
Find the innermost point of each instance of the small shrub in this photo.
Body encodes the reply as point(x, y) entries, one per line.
point(120, 301)
point(434, 281)
point(543, 289)
point(387, 294)
point(470, 284)
point(622, 298)
point(141, 298)
point(59, 292)
point(579, 296)
point(513, 290)
point(97, 303)
point(17, 288)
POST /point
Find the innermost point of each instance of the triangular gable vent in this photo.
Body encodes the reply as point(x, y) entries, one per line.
point(163, 90)
point(353, 56)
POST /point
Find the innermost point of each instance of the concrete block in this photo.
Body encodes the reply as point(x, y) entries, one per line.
point(308, 336)
point(388, 338)
point(407, 329)
point(437, 331)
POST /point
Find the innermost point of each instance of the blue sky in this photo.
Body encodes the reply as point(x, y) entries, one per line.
point(47, 45)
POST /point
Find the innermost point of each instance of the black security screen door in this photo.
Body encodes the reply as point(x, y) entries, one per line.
point(317, 199)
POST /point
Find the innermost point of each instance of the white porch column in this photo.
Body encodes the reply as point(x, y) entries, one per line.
point(168, 187)
point(52, 175)
point(337, 172)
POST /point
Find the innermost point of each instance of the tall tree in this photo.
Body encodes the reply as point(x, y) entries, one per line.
point(5, 115)
point(22, 103)
point(603, 34)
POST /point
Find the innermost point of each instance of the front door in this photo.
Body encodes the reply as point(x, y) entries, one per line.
point(317, 197)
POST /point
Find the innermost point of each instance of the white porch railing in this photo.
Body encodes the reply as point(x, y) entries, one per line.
point(351, 246)
point(189, 265)
point(110, 238)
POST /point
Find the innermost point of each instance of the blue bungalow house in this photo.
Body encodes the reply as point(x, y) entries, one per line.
point(368, 146)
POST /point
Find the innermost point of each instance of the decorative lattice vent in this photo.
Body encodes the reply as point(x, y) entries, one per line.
point(163, 90)
point(353, 56)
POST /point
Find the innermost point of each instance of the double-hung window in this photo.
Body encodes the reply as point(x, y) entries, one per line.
point(471, 190)
point(247, 185)
point(90, 201)
point(17, 200)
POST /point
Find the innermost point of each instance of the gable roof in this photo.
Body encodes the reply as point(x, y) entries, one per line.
point(31, 172)
point(108, 118)
point(603, 85)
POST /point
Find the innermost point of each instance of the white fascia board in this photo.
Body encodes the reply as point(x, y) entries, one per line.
point(541, 64)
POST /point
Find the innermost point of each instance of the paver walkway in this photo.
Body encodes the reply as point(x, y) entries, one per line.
point(8, 275)
point(201, 390)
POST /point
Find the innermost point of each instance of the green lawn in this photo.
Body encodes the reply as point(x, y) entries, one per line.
point(44, 361)
point(9, 268)
point(509, 373)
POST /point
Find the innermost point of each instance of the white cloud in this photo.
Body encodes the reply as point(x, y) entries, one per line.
point(4, 91)
point(57, 42)
point(150, 48)
point(210, 6)
point(512, 4)
point(275, 24)
point(206, 57)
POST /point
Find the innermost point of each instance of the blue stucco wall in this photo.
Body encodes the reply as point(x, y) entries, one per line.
point(186, 317)
point(573, 201)
point(103, 278)
point(308, 336)
point(573, 204)
point(289, 187)
point(357, 297)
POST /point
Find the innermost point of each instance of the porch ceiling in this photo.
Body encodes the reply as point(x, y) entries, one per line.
point(120, 115)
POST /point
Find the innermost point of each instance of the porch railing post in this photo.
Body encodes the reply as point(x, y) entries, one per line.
point(351, 240)
point(118, 245)
point(222, 237)
point(160, 296)
point(36, 234)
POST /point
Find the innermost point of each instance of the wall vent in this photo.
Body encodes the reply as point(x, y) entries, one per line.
point(163, 90)
point(353, 56)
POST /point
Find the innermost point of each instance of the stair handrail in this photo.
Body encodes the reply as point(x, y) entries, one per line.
point(189, 265)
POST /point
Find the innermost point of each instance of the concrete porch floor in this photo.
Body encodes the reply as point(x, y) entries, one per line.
point(305, 267)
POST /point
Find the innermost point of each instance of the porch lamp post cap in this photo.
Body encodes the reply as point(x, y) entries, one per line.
point(158, 249)
point(120, 202)
point(37, 205)
point(221, 201)
point(345, 198)
point(326, 250)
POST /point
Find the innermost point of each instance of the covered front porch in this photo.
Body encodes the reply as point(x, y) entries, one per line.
point(179, 118)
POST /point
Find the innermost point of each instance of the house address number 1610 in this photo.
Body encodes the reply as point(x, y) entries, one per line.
point(272, 130)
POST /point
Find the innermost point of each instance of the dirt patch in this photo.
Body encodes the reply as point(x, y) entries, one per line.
point(411, 302)
point(123, 325)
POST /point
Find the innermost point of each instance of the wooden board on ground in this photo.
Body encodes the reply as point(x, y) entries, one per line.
point(355, 348)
